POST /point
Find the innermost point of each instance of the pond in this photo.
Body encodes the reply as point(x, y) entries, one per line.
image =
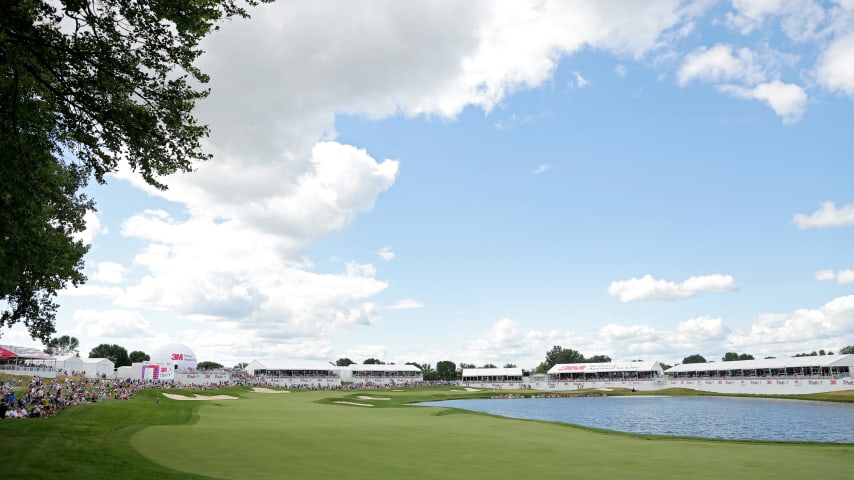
point(708, 417)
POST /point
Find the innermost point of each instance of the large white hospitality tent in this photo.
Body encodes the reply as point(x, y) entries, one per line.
point(296, 373)
point(99, 367)
point(492, 375)
point(602, 372)
point(819, 365)
point(381, 373)
point(70, 364)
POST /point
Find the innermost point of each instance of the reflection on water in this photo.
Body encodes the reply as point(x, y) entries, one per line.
point(709, 417)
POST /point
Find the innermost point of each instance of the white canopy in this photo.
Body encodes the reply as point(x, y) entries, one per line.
point(819, 361)
point(361, 367)
point(614, 367)
point(492, 372)
point(297, 364)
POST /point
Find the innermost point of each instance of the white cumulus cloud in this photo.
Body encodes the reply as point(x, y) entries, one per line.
point(109, 272)
point(386, 253)
point(830, 322)
point(827, 216)
point(721, 63)
point(789, 101)
point(834, 69)
point(126, 324)
point(842, 277)
point(649, 288)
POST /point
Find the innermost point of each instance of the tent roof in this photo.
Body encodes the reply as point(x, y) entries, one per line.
point(96, 360)
point(12, 351)
point(361, 367)
point(66, 358)
point(292, 365)
point(492, 372)
point(605, 367)
point(789, 362)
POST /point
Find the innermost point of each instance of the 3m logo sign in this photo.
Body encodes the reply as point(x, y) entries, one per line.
point(566, 368)
point(177, 356)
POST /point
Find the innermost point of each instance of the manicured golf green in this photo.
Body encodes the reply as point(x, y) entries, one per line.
point(306, 435)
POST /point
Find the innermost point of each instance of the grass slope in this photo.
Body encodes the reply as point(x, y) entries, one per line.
point(308, 435)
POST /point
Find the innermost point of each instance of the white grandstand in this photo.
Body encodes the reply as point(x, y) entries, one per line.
point(636, 375)
point(493, 377)
point(295, 373)
point(791, 375)
point(373, 375)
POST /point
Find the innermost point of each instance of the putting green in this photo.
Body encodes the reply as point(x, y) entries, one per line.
point(302, 436)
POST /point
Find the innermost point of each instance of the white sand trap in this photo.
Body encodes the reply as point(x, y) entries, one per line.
point(362, 397)
point(354, 403)
point(199, 397)
point(397, 390)
point(468, 389)
point(605, 389)
point(268, 390)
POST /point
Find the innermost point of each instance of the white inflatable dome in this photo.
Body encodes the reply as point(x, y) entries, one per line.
point(176, 354)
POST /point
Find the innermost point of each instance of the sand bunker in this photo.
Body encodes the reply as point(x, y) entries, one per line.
point(354, 403)
point(468, 389)
point(268, 390)
point(362, 397)
point(199, 397)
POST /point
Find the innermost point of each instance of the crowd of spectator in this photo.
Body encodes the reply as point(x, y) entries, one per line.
point(42, 397)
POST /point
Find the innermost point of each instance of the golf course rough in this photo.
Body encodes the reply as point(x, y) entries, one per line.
point(313, 435)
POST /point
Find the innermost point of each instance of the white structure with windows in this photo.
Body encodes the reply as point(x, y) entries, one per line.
point(493, 377)
point(634, 375)
point(786, 376)
point(69, 364)
point(309, 374)
point(373, 375)
point(99, 368)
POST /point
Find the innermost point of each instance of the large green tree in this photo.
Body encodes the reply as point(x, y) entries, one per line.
point(446, 370)
point(64, 345)
point(138, 356)
point(599, 359)
point(85, 86)
point(696, 358)
point(343, 362)
point(847, 350)
point(733, 356)
point(208, 365)
point(116, 353)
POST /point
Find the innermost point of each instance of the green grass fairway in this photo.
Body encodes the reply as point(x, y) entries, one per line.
point(305, 435)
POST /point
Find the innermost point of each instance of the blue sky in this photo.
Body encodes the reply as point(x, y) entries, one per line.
point(478, 182)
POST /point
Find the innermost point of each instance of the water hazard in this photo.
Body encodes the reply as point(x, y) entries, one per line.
point(708, 417)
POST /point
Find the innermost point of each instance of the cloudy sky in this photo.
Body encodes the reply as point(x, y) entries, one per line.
point(479, 181)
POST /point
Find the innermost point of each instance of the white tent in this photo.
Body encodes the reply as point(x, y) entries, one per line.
point(615, 371)
point(253, 365)
point(296, 373)
point(70, 364)
point(381, 374)
point(492, 375)
point(97, 367)
point(820, 365)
